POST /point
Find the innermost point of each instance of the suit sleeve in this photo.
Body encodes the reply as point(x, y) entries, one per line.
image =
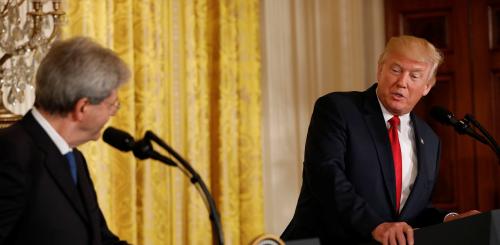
point(13, 188)
point(432, 215)
point(107, 236)
point(325, 169)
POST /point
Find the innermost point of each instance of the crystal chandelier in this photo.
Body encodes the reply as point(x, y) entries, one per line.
point(27, 29)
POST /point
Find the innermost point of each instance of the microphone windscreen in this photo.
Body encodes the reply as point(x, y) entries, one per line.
point(441, 115)
point(119, 139)
point(143, 149)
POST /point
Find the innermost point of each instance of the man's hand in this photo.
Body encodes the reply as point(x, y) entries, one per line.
point(460, 216)
point(393, 233)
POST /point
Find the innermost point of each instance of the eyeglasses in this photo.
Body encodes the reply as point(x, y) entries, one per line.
point(114, 106)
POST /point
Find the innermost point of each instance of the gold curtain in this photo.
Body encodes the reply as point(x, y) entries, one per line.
point(196, 84)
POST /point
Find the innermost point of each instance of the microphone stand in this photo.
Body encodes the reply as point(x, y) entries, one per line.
point(490, 140)
point(195, 179)
point(462, 127)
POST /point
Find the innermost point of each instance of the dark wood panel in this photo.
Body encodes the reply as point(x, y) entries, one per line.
point(431, 25)
point(494, 59)
point(442, 94)
point(483, 63)
point(394, 9)
point(495, 88)
point(495, 131)
point(496, 102)
point(468, 31)
point(494, 25)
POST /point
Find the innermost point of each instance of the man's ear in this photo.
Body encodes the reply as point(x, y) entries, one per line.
point(79, 109)
point(379, 71)
point(429, 86)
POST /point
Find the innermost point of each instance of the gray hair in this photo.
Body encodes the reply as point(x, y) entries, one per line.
point(74, 69)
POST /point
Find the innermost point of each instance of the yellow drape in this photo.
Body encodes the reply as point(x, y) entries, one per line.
point(196, 75)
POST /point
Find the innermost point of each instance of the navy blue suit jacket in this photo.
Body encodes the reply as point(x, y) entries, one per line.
point(348, 177)
point(39, 204)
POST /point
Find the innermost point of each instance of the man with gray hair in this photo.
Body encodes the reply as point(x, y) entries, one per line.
point(46, 193)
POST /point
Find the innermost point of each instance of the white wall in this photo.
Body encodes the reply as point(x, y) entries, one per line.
point(309, 48)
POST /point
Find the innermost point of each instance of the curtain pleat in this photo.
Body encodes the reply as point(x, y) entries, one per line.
point(195, 84)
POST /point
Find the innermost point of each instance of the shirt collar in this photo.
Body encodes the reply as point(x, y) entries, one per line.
point(58, 140)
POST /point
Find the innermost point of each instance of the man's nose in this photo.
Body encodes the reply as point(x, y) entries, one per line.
point(403, 79)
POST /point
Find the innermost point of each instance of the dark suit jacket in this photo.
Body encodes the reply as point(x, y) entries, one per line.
point(39, 204)
point(348, 178)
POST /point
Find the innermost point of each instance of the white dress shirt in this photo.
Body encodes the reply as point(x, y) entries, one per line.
point(406, 135)
point(61, 144)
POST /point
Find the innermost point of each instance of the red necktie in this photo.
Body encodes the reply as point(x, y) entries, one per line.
point(396, 155)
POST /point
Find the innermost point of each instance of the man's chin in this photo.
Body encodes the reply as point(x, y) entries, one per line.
point(397, 108)
point(395, 111)
point(96, 136)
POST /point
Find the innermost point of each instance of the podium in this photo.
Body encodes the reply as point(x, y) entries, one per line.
point(481, 229)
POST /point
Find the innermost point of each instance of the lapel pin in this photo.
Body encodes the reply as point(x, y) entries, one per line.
point(421, 141)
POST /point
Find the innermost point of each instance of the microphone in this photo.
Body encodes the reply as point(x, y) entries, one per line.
point(493, 144)
point(142, 149)
point(444, 116)
point(119, 139)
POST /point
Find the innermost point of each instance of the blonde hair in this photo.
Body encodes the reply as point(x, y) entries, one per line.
point(415, 48)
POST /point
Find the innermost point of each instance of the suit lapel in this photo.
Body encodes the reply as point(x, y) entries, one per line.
point(422, 164)
point(375, 122)
point(55, 163)
point(420, 146)
point(88, 195)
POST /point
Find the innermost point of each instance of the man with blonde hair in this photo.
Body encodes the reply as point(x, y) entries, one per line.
point(370, 163)
point(46, 193)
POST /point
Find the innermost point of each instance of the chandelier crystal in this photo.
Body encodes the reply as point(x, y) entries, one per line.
point(27, 29)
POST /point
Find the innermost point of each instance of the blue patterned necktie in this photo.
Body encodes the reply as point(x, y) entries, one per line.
point(72, 165)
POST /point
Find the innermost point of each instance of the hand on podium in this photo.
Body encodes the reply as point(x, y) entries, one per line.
point(455, 216)
point(393, 233)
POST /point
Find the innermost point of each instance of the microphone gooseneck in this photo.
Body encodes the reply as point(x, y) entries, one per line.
point(444, 116)
point(196, 180)
point(143, 149)
point(492, 142)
